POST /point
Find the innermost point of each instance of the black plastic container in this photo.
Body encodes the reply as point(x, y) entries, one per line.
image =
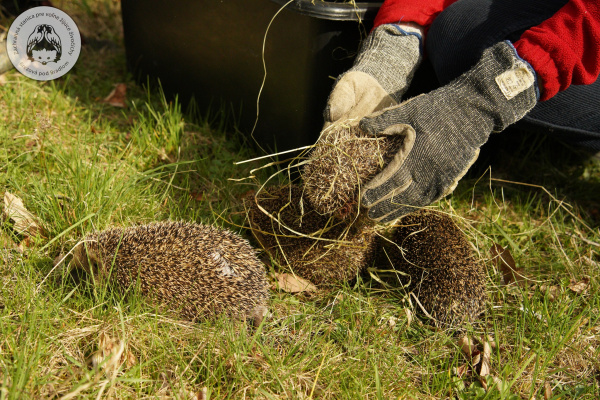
point(212, 50)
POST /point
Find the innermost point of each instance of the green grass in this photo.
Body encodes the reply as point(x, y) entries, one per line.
point(80, 164)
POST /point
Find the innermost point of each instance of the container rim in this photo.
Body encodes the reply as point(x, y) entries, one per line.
point(356, 11)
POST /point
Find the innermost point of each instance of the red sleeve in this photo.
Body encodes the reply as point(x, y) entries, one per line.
point(564, 49)
point(421, 12)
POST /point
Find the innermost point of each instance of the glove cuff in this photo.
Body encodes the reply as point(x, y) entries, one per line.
point(391, 55)
point(536, 85)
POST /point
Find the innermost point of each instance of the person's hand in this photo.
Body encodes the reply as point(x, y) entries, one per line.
point(444, 129)
point(381, 73)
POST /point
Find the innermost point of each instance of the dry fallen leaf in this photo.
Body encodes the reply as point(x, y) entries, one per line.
point(467, 346)
point(294, 284)
point(203, 394)
point(461, 370)
point(485, 360)
point(553, 291)
point(24, 221)
point(506, 264)
point(581, 286)
point(198, 196)
point(117, 97)
point(480, 360)
point(547, 391)
point(111, 354)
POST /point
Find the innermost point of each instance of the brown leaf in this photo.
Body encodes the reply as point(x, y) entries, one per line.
point(467, 346)
point(462, 370)
point(553, 291)
point(484, 382)
point(111, 354)
point(24, 221)
point(198, 196)
point(581, 286)
point(130, 360)
point(506, 264)
point(203, 394)
point(547, 391)
point(294, 284)
point(117, 97)
point(485, 360)
point(25, 243)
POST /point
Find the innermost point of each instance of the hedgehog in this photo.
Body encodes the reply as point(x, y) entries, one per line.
point(197, 270)
point(315, 247)
point(341, 161)
point(437, 264)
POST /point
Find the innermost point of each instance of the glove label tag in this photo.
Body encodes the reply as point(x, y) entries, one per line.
point(515, 81)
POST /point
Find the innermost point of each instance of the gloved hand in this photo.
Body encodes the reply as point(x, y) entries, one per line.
point(381, 73)
point(444, 129)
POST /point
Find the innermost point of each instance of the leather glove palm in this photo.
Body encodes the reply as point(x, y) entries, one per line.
point(381, 74)
point(444, 130)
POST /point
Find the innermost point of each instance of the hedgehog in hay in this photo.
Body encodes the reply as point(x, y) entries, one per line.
point(344, 158)
point(316, 247)
point(197, 270)
point(437, 264)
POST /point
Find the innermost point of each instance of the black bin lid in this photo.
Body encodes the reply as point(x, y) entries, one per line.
point(333, 10)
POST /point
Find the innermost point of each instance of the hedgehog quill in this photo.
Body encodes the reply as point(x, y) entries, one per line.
point(438, 266)
point(317, 247)
point(196, 270)
point(343, 159)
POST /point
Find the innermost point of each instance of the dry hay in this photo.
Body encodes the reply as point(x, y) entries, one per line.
point(315, 247)
point(437, 264)
point(341, 161)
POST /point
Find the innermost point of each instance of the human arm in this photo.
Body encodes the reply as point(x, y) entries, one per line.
point(448, 155)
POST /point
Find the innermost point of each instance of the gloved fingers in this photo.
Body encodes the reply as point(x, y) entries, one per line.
point(397, 182)
point(341, 100)
point(377, 123)
point(395, 206)
point(355, 95)
point(393, 171)
point(454, 184)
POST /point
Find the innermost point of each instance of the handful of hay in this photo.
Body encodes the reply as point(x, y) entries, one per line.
point(436, 263)
point(343, 159)
point(316, 247)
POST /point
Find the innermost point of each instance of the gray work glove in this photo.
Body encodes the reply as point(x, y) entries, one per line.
point(444, 129)
point(381, 74)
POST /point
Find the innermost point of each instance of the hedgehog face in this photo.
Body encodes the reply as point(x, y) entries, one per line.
point(44, 56)
point(85, 260)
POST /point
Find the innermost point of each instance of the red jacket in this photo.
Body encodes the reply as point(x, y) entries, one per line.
point(563, 50)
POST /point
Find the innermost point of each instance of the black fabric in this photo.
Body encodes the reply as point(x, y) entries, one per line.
point(461, 33)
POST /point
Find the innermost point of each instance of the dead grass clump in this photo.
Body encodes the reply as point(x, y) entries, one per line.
point(342, 160)
point(437, 264)
point(313, 246)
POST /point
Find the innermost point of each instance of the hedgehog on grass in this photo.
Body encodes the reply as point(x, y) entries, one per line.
point(437, 264)
point(197, 270)
point(316, 247)
point(343, 159)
